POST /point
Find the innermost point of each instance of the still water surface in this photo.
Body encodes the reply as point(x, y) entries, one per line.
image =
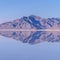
point(15, 50)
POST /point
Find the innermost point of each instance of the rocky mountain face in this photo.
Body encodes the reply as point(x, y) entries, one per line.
point(32, 29)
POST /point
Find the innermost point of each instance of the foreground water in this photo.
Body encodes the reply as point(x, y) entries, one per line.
point(16, 50)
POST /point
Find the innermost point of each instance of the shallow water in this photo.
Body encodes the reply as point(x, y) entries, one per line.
point(15, 50)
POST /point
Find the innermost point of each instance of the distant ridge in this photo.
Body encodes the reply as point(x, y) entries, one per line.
point(32, 29)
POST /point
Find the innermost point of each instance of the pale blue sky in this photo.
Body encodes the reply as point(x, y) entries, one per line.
point(13, 9)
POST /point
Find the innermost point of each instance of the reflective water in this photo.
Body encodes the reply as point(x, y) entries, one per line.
point(37, 45)
point(16, 50)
